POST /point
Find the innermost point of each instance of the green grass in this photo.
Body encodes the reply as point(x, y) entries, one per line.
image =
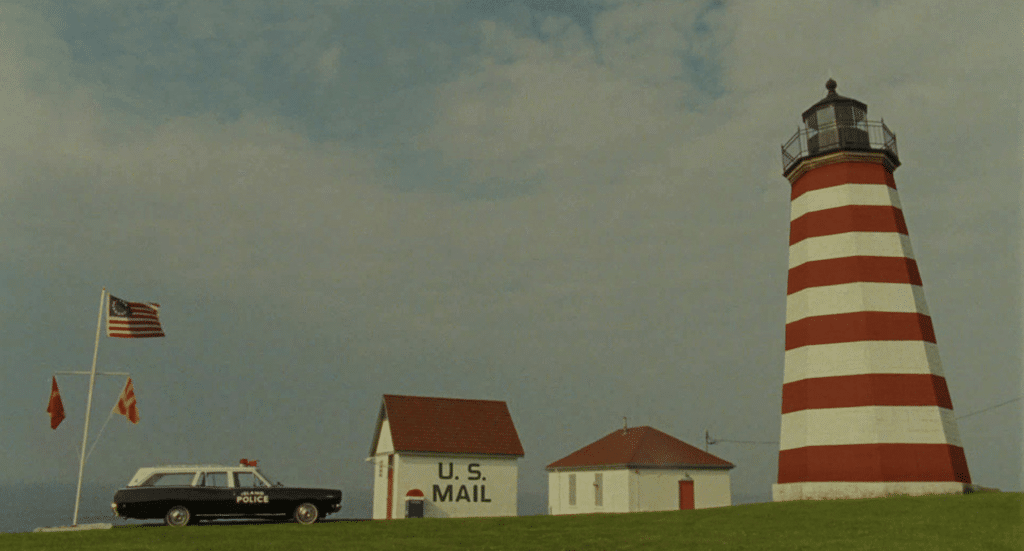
point(991, 521)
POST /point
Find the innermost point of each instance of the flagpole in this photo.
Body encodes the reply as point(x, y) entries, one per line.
point(88, 403)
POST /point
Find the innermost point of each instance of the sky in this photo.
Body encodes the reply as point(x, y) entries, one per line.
point(576, 207)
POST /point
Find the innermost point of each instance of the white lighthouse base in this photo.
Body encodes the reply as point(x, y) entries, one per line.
point(861, 490)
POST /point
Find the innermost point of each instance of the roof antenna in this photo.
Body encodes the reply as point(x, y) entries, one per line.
point(708, 440)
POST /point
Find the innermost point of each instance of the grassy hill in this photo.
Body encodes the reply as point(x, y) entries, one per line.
point(990, 521)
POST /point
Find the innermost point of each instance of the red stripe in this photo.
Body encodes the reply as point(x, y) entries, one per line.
point(136, 335)
point(134, 323)
point(859, 326)
point(874, 389)
point(853, 269)
point(851, 218)
point(839, 174)
point(874, 463)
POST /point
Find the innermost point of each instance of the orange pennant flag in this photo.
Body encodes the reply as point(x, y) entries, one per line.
point(126, 403)
point(56, 406)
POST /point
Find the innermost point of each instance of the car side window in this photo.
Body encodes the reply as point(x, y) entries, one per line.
point(170, 479)
point(247, 480)
point(216, 480)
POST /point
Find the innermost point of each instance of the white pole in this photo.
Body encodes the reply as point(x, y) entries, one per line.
point(88, 403)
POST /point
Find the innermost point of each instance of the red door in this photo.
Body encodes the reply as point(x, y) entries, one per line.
point(685, 494)
point(391, 484)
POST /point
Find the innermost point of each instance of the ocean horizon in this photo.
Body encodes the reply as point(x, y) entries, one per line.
point(27, 506)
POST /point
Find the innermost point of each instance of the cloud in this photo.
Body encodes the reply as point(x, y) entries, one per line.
point(328, 64)
point(561, 107)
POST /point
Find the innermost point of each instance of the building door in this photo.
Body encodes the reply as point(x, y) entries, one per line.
point(686, 494)
point(391, 484)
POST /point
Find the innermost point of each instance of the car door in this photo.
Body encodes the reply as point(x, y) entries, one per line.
point(213, 494)
point(251, 496)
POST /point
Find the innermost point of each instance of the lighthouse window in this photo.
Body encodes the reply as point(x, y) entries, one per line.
point(844, 114)
point(860, 118)
point(827, 135)
point(826, 116)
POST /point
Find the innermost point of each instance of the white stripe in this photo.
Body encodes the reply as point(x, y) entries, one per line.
point(844, 195)
point(843, 245)
point(869, 425)
point(855, 297)
point(862, 358)
point(795, 491)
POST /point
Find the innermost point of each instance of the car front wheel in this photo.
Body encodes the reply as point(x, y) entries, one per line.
point(306, 513)
point(177, 516)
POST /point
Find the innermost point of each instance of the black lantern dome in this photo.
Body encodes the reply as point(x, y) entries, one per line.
point(837, 123)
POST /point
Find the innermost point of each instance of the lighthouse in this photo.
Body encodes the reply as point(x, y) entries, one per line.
point(865, 407)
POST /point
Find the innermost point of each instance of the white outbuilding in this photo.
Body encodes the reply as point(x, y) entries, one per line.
point(637, 469)
point(444, 457)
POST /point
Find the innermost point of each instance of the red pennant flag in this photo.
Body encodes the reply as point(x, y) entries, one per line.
point(56, 406)
point(126, 403)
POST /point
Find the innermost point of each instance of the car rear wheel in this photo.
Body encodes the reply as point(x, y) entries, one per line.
point(306, 513)
point(178, 516)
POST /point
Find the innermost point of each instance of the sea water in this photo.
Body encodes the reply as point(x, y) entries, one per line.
point(25, 507)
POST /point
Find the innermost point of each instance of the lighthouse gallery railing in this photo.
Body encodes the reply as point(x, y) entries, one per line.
point(864, 135)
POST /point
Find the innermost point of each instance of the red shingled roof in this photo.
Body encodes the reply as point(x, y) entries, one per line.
point(449, 425)
point(640, 447)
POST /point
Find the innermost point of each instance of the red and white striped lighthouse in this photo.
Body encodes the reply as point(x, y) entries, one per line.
point(865, 407)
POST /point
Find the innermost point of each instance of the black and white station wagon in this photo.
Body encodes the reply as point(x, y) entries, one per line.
point(184, 494)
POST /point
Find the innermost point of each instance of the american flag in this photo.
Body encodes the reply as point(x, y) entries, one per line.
point(133, 320)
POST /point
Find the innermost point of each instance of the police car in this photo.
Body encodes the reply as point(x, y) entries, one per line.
point(185, 494)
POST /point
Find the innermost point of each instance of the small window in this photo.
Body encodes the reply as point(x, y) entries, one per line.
point(828, 136)
point(826, 116)
point(844, 115)
point(598, 489)
point(860, 118)
point(572, 489)
point(248, 480)
point(170, 479)
point(215, 480)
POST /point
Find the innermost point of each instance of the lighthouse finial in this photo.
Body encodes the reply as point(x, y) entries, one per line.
point(831, 86)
